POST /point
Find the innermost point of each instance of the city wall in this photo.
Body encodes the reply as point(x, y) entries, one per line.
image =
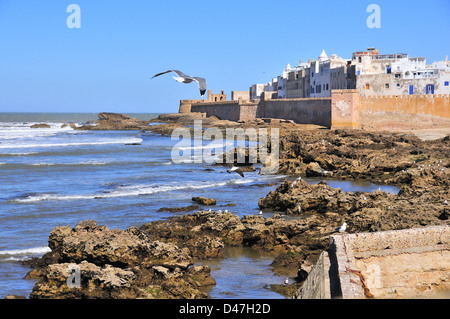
point(390, 112)
point(345, 109)
point(303, 111)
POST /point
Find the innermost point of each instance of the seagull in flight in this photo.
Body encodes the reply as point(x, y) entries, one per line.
point(183, 78)
point(235, 169)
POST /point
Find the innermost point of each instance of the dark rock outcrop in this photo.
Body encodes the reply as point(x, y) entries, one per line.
point(116, 264)
point(42, 125)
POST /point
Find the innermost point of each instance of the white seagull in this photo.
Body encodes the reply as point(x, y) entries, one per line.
point(235, 169)
point(341, 228)
point(183, 78)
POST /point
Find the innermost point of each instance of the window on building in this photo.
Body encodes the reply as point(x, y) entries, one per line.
point(367, 86)
point(397, 76)
point(359, 59)
point(446, 83)
point(327, 86)
point(398, 85)
point(386, 86)
point(388, 70)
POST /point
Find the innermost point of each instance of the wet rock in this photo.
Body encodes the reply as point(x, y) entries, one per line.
point(117, 264)
point(115, 121)
point(178, 209)
point(94, 282)
point(106, 116)
point(313, 169)
point(204, 201)
point(42, 125)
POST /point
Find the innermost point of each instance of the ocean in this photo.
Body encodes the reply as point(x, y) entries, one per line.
point(60, 176)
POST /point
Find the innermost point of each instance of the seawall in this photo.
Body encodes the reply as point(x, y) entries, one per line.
point(358, 266)
point(344, 109)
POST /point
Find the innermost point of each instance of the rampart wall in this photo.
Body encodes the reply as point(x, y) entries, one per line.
point(345, 109)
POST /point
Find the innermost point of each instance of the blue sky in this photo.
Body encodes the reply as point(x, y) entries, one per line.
point(106, 65)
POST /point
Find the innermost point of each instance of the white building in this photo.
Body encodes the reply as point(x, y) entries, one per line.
point(398, 74)
point(327, 74)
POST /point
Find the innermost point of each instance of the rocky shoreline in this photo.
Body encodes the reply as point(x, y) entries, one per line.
point(157, 260)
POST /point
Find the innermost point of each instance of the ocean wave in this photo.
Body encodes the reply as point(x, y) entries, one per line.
point(18, 154)
point(13, 132)
point(228, 145)
point(25, 251)
point(119, 141)
point(72, 164)
point(130, 191)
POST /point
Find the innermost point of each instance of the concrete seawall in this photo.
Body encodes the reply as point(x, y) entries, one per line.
point(410, 263)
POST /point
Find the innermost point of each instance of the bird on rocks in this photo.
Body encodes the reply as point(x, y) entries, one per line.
point(260, 212)
point(341, 228)
point(183, 78)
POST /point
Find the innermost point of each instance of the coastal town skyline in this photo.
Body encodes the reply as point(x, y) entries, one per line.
point(106, 62)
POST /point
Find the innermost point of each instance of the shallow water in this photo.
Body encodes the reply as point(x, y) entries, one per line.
point(56, 177)
point(243, 273)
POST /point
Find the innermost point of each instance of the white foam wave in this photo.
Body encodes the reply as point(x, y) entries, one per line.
point(76, 163)
point(25, 251)
point(9, 131)
point(115, 141)
point(135, 190)
point(207, 146)
point(19, 154)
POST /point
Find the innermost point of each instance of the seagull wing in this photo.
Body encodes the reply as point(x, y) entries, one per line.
point(201, 84)
point(187, 79)
point(181, 74)
point(239, 172)
point(161, 73)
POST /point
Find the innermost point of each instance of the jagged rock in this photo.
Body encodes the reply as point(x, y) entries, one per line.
point(117, 264)
point(178, 209)
point(204, 201)
point(94, 282)
point(106, 116)
point(40, 126)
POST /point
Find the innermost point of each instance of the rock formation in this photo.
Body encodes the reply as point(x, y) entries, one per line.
point(115, 264)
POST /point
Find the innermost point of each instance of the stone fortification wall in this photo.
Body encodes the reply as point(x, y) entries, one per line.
point(390, 112)
point(345, 109)
point(303, 111)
